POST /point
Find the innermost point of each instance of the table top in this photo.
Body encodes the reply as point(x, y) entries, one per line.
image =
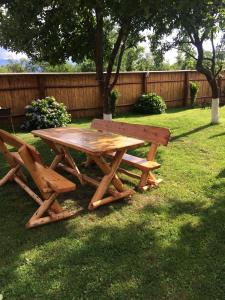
point(88, 140)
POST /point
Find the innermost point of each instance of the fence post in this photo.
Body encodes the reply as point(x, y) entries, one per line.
point(186, 88)
point(41, 86)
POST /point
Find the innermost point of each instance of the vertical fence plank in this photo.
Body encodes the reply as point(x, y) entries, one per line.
point(80, 91)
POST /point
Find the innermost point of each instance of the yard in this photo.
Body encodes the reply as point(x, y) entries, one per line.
point(167, 243)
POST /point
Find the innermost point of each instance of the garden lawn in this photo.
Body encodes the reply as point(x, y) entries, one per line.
point(168, 243)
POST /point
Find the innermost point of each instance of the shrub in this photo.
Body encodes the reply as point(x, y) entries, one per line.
point(114, 96)
point(45, 113)
point(194, 88)
point(150, 103)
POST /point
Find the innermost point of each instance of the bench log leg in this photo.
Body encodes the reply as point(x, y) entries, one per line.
point(148, 180)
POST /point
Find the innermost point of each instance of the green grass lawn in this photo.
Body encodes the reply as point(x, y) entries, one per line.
point(168, 243)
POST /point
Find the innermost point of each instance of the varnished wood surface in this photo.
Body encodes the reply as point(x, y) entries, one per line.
point(88, 140)
point(158, 135)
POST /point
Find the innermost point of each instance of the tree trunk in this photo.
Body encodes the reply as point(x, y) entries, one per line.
point(107, 110)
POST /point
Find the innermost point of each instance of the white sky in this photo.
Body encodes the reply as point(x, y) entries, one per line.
point(5, 54)
point(170, 56)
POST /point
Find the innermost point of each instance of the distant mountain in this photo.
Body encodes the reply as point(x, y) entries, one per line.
point(3, 61)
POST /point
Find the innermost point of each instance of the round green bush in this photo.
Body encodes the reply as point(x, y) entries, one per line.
point(150, 103)
point(45, 113)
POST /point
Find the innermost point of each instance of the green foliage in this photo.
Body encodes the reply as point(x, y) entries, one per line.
point(65, 67)
point(87, 65)
point(45, 113)
point(114, 96)
point(192, 24)
point(194, 88)
point(184, 61)
point(97, 30)
point(150, 103)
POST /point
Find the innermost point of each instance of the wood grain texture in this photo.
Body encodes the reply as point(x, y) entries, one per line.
point(158, 135)
point(87, 140)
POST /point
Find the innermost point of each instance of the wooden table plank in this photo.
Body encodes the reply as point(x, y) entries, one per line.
point(88, 140)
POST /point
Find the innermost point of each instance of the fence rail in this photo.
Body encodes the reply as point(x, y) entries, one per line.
point(80, 91)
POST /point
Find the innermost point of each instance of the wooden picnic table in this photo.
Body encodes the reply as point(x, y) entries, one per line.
point(95, 144)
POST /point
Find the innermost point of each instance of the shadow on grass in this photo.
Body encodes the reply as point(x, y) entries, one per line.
point(139, 260)
point(200, 128)
point(217, 135)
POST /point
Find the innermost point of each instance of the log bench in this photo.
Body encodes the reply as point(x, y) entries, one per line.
point(49, 183)
point(155, 135)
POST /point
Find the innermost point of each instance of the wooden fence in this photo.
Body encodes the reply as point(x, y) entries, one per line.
point(80, 91)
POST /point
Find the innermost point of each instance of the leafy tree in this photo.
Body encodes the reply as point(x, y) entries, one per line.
point(195, 23)
point(65, 67)
point(184, 61)
point(57, 30)
point(87, 65)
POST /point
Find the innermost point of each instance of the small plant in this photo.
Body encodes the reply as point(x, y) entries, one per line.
point(194, 88)
point(114, 96)
point(45, 113)
point(150, 103)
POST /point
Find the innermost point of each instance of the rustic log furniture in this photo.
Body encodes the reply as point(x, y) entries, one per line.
point(49, 183)
point(155, 135)
point(95, 144)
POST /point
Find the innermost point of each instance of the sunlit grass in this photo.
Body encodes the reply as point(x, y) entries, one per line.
point(168, 243)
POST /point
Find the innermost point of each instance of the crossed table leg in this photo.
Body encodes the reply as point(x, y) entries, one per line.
point(110, 177)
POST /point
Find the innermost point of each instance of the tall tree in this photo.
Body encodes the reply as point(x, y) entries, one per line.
point(193, 24)
point(57, 30)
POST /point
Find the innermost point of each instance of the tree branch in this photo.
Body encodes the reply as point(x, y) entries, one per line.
point(99, 46)
point(118, 64)
point(114, 54)
point(188, 53)
point(213, 53)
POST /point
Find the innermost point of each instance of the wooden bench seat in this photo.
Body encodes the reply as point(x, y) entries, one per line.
point(137, 162)
point(156, 136)
point(57, 182)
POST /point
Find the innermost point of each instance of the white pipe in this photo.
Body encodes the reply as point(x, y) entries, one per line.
point(107, 117)
point(215, 111)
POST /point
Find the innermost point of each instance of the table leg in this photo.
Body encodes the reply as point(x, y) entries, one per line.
point(62, 154)
point(109, 178)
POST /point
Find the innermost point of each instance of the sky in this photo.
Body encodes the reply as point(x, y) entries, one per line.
point(6, 55)
point(170, 56)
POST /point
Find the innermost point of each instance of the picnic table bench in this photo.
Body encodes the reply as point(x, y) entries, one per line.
point(155, 135)
point(49, 182)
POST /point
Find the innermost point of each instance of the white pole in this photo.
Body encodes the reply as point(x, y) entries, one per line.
point(107, 117)
point(215, 111)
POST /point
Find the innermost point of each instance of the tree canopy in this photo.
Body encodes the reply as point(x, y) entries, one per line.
point(57, 30)
point(193, 24)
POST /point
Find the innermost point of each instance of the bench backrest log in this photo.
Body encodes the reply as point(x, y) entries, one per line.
point(11, 140)
point(157, 135)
